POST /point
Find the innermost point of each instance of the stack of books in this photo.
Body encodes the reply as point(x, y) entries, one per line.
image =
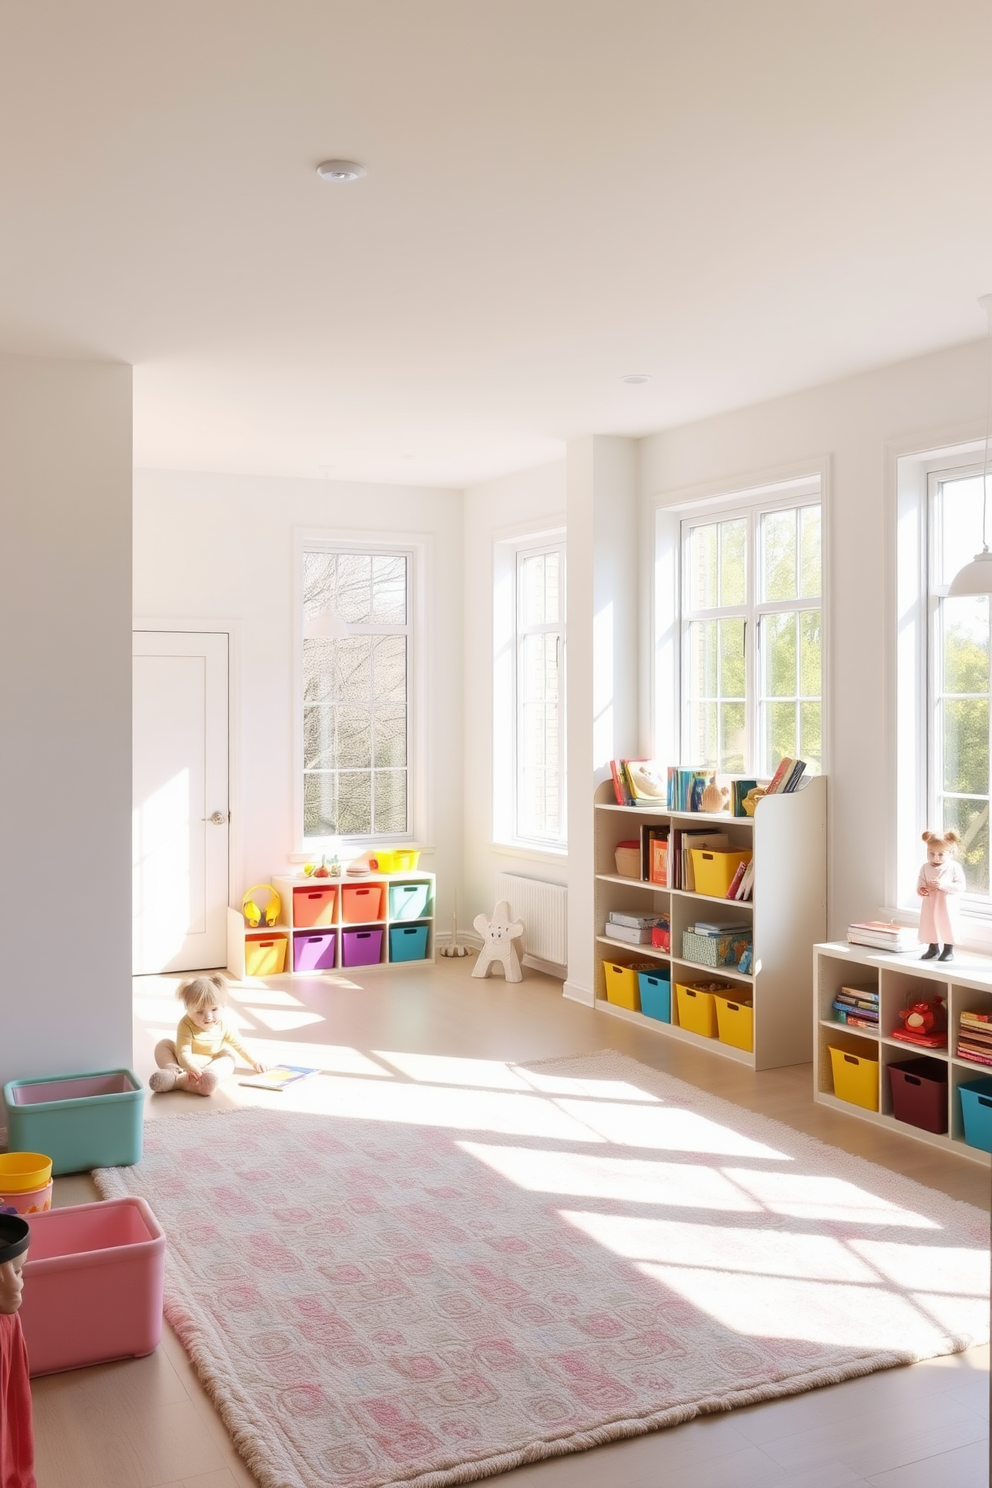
point(883, 935)
point(857, 1007)
point(632, 929)
point(786, 777)
point(975, 1037)
point(686, 786)
point(742, 883)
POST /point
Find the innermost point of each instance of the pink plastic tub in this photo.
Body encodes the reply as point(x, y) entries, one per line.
point(93, 1285)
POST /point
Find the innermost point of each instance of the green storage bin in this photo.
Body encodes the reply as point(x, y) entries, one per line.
point(80, 1121)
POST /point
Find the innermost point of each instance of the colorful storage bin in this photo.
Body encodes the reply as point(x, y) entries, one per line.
point(79, 1121)
point(715, 950)
point(621, 983)
point(976, 1112)
point(395, 860)
point(315, 952)
point(919, 1093)
point(361, 947)
point(408, 942)
point(265, 955)
point(361, 903)
point(696, 1003)
point(628, 859)
point(655, 990)
point(713, 871)
point(408, 901)
point(735, 1022)
point(315, 906)
point(855, 1078)
point(93, 1285)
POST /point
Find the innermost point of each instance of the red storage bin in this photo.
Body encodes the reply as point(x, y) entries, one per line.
point(315, 906)
point(361, 903)
point(919, 1093)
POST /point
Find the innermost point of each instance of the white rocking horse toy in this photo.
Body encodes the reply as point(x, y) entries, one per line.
point(498, 935)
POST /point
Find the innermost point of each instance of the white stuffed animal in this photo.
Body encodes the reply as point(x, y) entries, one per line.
point(498, 935)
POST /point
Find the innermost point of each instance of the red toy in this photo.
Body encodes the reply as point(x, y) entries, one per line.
point(924, 1023)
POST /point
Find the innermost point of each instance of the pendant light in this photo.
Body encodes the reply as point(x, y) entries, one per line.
point(976, 576)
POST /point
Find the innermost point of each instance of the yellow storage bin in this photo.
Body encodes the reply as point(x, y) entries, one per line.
point(713, 871)
point(696, 1003)
point(735, 1023)
point(395, 860)
point(622, 987)
point(265, 955)
point(855, 1078)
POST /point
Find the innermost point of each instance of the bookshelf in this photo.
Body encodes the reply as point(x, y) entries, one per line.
point(787, 915)
point(966, 986)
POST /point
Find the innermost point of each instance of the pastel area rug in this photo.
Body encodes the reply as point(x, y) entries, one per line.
point(440, 1275)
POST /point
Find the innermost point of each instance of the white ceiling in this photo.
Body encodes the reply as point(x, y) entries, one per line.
point(740, 197)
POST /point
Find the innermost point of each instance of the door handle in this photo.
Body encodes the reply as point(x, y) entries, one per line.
point(218, 818)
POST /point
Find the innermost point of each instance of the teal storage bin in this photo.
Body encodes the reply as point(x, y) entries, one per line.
point(79, 1121)
point(408, 943)
point(656, 993)
point(408, 901)
point(976, 1112)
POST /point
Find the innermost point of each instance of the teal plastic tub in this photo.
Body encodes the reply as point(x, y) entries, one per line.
point(408, 901)
point(656, 993)
point(79, 1121)
point(976, 1112)
point(408, 943)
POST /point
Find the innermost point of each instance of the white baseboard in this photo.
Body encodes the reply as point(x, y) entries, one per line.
point(550, 968)
point(575, 993)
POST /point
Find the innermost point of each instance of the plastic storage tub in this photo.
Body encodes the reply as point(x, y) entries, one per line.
point(976, 1112)
point(408, 942)
point(655, 989)
point(315, 952)
point(361, 947)
point(697, 1008)
point(315, 906)
point(361, 903)
point(715, 950)
point(79, 1121)
point(408, 901)
point(93, 1285)
point(396, 859)
point(621, 983)
point(919, 1093)
point(713, 871)
point(265, 955)
point(735, 1022)
point(855, 1078)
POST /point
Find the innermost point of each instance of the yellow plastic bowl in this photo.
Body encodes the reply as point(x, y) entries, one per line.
point(22, 1172)
point(397, 860)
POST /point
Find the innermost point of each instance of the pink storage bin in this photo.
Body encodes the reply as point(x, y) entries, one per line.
point(93, 1285)
point(314, 952)
point(361, 947)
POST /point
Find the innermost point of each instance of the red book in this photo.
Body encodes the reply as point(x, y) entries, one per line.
point(785, 768)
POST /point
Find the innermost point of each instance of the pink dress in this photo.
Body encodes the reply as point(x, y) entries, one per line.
point(943, 881)
point(16, 1435)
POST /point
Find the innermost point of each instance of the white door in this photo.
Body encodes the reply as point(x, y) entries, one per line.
point(180, 801)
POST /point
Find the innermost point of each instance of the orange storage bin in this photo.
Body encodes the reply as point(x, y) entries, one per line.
point(315, 906)
point(265, 955)
point(361, 903)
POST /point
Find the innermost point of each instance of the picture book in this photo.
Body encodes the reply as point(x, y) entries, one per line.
point(278, 1077)
point(648, 780)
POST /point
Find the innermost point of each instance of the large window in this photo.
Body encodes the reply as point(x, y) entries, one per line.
point(356, 693)
point(958, 676)
point(540, 691)
point(751, 648)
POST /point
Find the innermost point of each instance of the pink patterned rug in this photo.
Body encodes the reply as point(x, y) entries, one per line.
point(428, 1282)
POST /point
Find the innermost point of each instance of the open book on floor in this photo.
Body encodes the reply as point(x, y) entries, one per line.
point(278, 1077)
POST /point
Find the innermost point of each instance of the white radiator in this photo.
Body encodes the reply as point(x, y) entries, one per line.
point(542, 907)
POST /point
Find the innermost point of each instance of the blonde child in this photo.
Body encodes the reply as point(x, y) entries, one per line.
point(205, 1043)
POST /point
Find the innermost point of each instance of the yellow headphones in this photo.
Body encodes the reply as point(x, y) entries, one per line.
point(251, 911)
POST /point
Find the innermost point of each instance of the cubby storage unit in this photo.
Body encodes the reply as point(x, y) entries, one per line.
point(785, 918)
point(965, 984)
point(333, 925)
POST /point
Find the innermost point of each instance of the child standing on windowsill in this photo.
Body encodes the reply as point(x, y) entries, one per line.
point(205, 1044)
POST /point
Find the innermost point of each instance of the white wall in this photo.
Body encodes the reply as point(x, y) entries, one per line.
point(861, 424)
point(220, 548)
point(65, 747)
point(514, 506)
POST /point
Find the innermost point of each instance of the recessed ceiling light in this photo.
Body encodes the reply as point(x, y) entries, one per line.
point(340, 170)
point(636, 378)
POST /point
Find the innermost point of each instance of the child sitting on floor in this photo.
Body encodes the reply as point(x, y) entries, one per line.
point(202, 1054)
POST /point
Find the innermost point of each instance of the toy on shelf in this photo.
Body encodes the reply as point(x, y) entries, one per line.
point(252, 913)
point(941, 877)
point(924, 1024)
point(752, 798)
point(16, 1429)
point(715, 797)
point(498, 934)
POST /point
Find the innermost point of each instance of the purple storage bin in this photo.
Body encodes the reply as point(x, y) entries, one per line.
point(314, 952)
point(361, 947)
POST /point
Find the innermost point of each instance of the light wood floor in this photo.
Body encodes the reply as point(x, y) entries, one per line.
point(147, 1423)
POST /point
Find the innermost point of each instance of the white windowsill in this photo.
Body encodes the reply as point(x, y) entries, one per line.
point(536, 854)
point(975, 931)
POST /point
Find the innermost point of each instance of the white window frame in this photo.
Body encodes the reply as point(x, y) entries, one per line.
point(749, 505)
point(507, 552)
point(417, 549)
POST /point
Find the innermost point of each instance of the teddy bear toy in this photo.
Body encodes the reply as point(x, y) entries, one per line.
point(924, 1023)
